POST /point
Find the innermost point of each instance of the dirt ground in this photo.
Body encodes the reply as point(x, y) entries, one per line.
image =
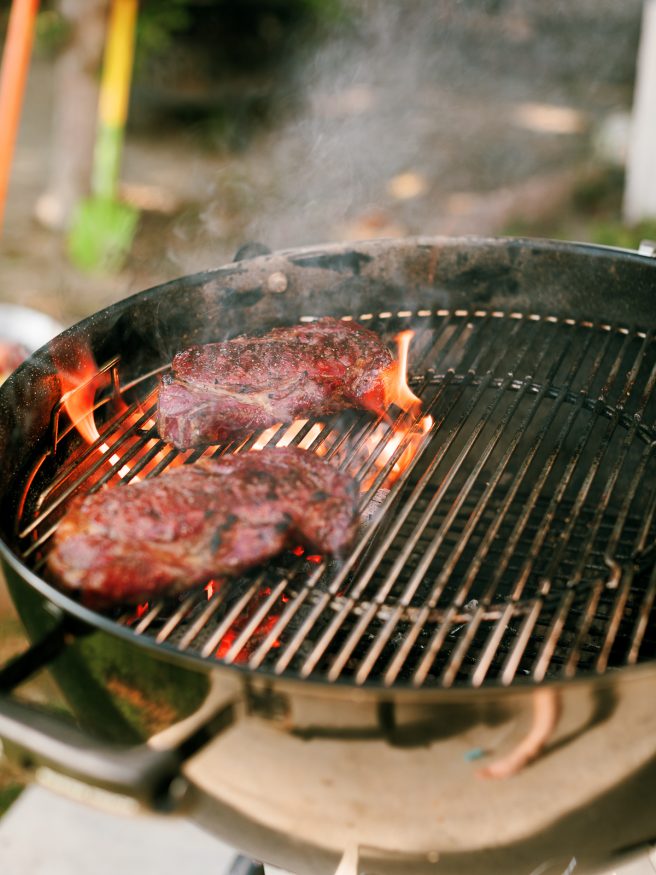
point(424, 119)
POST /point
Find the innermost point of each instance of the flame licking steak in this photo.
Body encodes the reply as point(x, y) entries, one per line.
point(220, 391)
point(215, 518)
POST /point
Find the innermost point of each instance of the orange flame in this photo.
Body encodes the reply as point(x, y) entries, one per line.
point(77, 377)
point(80, 380)
point(137, 614)
point(408, 429)
point(211, 588)
point(397, 390)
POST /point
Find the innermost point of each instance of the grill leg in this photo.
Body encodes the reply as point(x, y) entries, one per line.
point(243, 866)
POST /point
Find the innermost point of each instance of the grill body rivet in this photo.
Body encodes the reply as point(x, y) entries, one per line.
point(277, 282)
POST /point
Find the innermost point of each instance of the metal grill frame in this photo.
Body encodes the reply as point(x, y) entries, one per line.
point(526, 613)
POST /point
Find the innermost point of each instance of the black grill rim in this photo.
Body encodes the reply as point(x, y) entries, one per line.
point(91, 618)
point(517, 615)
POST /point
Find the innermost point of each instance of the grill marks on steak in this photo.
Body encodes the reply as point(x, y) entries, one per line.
point(216, 518)
point(220, 391)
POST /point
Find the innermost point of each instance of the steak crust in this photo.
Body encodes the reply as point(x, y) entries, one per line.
point(220, 391)
point(216, 518)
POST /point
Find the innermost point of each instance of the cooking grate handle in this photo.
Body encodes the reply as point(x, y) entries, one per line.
point(60, 753)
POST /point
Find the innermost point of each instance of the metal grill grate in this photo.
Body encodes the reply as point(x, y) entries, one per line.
point(518, 543)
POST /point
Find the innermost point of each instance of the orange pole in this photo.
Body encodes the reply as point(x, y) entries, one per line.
point(15, 63)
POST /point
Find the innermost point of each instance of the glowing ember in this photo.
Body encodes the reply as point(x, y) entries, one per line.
point(138, 613)
point(226, 643)
point(258, 635)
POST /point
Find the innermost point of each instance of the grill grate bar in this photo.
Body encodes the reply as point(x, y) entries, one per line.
point(302, 635)
point(79, 481)
point(494, 640)
point(365, 575)
point(219, 633)
point(623, 595)
point(549, 646)
point(615, 620)
point(529, 457)
point(548, 517)
point(147, 436)
point(520, 526)
point(344, 652)
point(186, 607)
point(293, 607)
point(513, 659)
point(643, 620)
point(435, 645)
point(433, 547)
point(632, 375)
point(148, 616)
point(475, 517)
point(202, 621)
point(585, 623)
point(255, 621)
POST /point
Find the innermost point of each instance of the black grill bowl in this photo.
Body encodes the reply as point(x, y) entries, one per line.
point(489, 712)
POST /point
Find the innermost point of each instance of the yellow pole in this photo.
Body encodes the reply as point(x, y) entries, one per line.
point(114, 96)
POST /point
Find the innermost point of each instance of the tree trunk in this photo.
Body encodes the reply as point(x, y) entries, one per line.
point(75, 109)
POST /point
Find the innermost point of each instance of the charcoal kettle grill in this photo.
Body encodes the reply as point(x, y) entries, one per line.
point(473, 688)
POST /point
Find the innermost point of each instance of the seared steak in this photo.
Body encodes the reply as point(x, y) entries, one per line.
point(215, 518)
point(219, 391)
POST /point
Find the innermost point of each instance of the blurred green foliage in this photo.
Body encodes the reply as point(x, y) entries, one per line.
point(8, 795)
point(232, 28)
point(592, 215)
point(615, 233)
point(159, 23)
point(52, 32)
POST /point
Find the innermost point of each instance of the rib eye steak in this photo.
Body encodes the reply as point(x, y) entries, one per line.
point(219, 391)
point(215, 518)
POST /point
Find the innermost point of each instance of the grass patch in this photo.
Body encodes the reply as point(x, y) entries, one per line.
point(8, 795)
